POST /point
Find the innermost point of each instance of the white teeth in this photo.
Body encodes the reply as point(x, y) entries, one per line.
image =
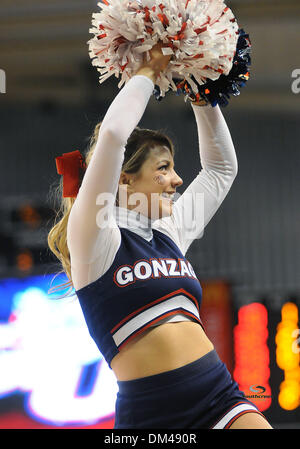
point(168, 196)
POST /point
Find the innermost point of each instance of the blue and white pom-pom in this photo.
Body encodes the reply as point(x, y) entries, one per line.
point(218, 92)
point(200, 35)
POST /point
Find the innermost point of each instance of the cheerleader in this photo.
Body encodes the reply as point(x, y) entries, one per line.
point(123, 240)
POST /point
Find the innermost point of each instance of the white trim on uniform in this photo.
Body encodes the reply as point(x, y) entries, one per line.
point(232, 413)
point(177, 302)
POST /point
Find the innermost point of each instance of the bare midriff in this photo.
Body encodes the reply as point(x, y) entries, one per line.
point(161, 348)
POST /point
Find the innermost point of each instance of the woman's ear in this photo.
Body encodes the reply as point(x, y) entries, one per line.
point(123, 178)
point(125, 189)
point(126, 178)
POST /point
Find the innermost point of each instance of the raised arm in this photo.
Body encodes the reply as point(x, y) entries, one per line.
point(86, 223)
point(204, 195)
point(103, 172)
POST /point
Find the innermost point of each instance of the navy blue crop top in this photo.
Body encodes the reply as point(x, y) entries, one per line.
point(147, 282)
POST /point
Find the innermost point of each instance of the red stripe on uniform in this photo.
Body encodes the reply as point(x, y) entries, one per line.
point(240, 414)
point(227, 411)
point(136, 312)
point(235, 417)
point(174, 312)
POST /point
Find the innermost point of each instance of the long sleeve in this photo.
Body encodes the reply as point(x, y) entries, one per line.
point(85, 236)
point(202, 198)
point(216, 149)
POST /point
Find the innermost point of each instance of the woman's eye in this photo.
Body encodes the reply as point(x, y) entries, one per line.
point(163, 167)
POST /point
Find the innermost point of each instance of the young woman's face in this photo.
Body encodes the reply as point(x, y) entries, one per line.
point(150, 191)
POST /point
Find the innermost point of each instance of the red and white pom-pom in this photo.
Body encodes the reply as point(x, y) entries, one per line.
point(201, 36)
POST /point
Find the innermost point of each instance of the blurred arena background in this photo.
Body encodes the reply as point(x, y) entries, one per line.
point(248, 261)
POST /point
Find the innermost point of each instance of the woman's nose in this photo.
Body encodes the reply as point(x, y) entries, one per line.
point(176, 181)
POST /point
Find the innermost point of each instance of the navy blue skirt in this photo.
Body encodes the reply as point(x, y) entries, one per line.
point(199, 395)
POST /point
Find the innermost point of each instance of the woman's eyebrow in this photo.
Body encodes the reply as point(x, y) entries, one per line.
point(164, 160)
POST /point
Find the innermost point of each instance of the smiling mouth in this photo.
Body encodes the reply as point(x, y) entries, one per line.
point(168, 196)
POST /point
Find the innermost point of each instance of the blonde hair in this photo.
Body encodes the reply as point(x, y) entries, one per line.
point(136, 152)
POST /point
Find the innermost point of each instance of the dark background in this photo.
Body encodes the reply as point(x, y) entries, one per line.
point(53, 101)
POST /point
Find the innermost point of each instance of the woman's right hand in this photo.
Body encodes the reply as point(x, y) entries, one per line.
point(158, 62)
